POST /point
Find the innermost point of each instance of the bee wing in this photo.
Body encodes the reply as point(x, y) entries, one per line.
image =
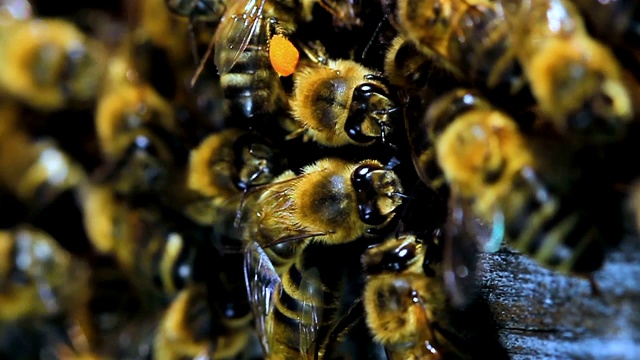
point(277, 198)
point(466, 235)
point(235, 31)
point(312, 294)
point(262, 283)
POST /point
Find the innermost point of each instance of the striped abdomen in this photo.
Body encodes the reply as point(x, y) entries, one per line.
point(252, 87)
point(301, 313)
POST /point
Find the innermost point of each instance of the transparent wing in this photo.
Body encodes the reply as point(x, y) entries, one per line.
point(235, 31)
point(262, 284)
point(312, 296)
point(466, 234)
point(280, 225)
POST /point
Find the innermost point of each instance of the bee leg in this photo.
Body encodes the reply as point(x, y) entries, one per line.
point(202, 62)
point(295, 134)
point(379, 78)
point(274, 28)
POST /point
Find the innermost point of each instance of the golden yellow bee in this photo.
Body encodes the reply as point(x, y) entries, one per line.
point(136, 130)
point(187, 330)
point(39, 277)
point(401, 303)
point(342, 102)
point(36, 171)
point(333, 201)
point(576, 80)
point(49, 63)
point(145, 242)
point(470, 39)
point(498, 190)
point(223, 168)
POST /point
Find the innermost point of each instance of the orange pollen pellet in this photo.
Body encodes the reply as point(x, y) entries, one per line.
point(283, 55)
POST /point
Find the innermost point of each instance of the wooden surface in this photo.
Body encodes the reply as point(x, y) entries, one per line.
point(540, 314)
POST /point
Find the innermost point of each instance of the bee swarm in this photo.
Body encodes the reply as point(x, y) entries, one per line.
point(393, 179)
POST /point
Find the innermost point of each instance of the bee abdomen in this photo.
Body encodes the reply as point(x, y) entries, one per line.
point(251, 87)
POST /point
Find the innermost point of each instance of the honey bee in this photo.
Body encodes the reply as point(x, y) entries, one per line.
point(348, 201)
point(423, 130)
point(290, 311)
point(400, 302)
point(499, 188)
point(342, 103)
point(576, 80)
point(409, 68)
point(187, 329)
point(35, 171)
point(136, 130)
point(249, 83)
point(226, 164)
point(38, 277)
point(49, 64)
point(232, 160)
point(470, 39)
point(156, 250)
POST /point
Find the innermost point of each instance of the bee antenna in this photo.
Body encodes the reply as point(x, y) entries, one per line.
point(255, 176)
point(236, 221)
point(375, 32)
point(203, 62)
point(192, 39)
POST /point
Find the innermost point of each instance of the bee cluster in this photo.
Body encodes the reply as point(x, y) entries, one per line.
point(281, 179)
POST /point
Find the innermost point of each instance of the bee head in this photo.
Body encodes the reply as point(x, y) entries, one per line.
point(372, 113)
point(256, 161)
point(396, 254)
point(379, 193)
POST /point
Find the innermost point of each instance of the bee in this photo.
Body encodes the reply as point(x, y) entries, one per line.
point(249, 83)
point(292, 310)
point(226, 164)
point(187, 329)
point(342, 102)
point(423, 129)
point(576, 80)
point(49, 64)
point(401, 302)
point(232, 160)
point(136, 132)
point(348, 200)
point(35, 171)
point(409, 68)
point(499, 188)
point(160, 252)
point(38, 277)
point(470, 39)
